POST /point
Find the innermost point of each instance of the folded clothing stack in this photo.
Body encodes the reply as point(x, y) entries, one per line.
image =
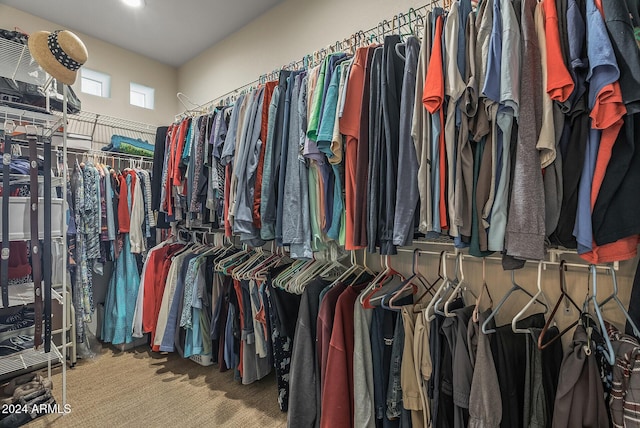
point(131, 146)
point(31, 394)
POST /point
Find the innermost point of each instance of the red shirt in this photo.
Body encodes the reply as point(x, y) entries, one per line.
point(324, 329)
point(337, 393)
point(238, 289)
point(350, 127)
point(155, 280)
point(124, 221)
point(179, 148)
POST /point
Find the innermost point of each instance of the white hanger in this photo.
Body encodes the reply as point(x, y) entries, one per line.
point(530, 303)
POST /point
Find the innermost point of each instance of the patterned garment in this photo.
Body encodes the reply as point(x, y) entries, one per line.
point(146, 179)
point(186, 319)
point(624, 402)
point(92, 211)
point(282, 346)
point(144, 187)
point(164, 197)
point(104, 232)
point(82, 292)
point(18, 281)
point(196, 204)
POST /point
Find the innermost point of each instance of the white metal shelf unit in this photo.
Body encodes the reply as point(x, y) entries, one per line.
point(17, 121)
point(17, 64)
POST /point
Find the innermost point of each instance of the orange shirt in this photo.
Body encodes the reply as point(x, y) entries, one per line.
point(607, 114)
point(433, 98)
point(350, 127)
point(560, 85)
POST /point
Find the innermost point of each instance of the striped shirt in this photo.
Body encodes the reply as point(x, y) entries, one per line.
point(625, 398)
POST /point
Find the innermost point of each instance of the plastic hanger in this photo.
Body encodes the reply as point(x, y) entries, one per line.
point(484, 289)
point(388, 273)
point(416, 304)
point(282, 279)
point(531, 302)
point(614, 296)
point(238, 269)
point(354, 268)
point(429, 312)
point(611, 356)
point(460, 288)
point(564, 297)
point(400, 289)
point(416, 277)
point(514, 287)
point(373, 283)
point(452, 283)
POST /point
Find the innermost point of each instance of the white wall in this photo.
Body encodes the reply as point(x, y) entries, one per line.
point(124, 66)
point(285, 33)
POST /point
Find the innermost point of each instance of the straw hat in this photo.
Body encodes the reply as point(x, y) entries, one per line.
point(60, 54)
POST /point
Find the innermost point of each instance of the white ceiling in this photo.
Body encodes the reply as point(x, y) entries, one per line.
point(170, 31)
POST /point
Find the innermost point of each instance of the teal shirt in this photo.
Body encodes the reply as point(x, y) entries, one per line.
point(325, 133)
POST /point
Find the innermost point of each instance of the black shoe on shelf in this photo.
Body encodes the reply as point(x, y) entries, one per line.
point(20, 328)
point(15, 344)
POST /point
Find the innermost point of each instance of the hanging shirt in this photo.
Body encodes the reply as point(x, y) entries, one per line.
point(433, 99)
point(560, 84)
point(421, 132)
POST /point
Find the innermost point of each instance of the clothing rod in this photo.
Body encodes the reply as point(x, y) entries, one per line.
point(115, 155)
point(545, 263)
point(400, 21)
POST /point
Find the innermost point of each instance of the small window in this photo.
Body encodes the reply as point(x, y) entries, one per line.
point(141, 96)
point(95, 83)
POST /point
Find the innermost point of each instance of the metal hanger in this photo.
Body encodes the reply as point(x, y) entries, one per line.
point(564, 297)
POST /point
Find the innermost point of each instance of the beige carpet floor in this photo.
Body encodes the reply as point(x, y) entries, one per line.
point(139, 388)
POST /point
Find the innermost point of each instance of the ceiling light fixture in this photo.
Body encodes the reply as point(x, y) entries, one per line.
point(134, 3)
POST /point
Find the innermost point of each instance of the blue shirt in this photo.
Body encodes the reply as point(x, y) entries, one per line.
point(491, 87)
point(583, 229)
point(603, 68)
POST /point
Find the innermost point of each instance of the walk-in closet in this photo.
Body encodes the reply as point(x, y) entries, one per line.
point(333, 214)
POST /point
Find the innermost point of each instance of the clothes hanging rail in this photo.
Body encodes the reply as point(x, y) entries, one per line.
point(403, 23)
point(121, 158)
point(545, 263)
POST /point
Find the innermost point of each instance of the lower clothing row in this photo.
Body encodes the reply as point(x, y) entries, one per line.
point(344, 361)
